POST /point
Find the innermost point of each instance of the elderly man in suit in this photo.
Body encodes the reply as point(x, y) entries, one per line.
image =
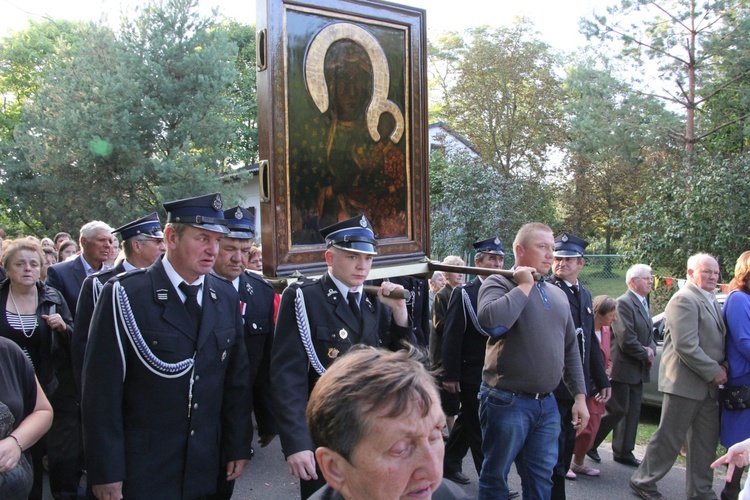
point(632, 354)
point(165, 376)
point(96, 242)
point(691, 370)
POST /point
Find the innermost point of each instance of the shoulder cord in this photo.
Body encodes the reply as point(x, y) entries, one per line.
point(303, 325)
point(123, 312)
point(96, 289)
point(472, 312)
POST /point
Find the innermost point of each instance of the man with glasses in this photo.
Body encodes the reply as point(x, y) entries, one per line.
point(692, 368)
point(142, 243)
point(632, 354)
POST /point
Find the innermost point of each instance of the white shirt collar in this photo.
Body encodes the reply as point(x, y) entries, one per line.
point(176, 279)
point(128, 266)
point(343, 289)
point(90, 270)
point(236, 283)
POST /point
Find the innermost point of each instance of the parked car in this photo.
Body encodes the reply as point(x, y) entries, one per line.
point(651, 394)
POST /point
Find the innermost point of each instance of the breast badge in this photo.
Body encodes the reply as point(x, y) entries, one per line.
point(333, 353)
point(343, 334)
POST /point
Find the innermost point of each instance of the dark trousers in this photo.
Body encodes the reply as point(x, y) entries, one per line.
point(565, 444)
point(622, 413)
point(65, 454)
point(466, 433)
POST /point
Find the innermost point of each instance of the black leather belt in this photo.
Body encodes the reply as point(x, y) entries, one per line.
point(533, 395)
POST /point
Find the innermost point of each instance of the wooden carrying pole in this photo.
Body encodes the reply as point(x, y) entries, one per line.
point(484, 271)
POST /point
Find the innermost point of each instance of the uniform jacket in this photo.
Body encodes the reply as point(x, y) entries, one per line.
point(417, 306)
point(631, 334)
point(582, 311)
point(463, 345)
point(67, 277)
point(143, 428)
point(693, 345)
point(333, 330)
point(84, 312)
point(257, 299)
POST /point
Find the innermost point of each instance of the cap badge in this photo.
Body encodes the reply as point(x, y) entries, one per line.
point(217, 202)
point(238, 214)
point(497, 240)
point(363, 221)
point(343, 334)
point(333, 353)
point(564, 238)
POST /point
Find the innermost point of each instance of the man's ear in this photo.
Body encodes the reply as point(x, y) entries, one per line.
point(329, 257)
point(332, 465)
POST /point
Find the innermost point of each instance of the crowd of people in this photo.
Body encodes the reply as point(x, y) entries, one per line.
point(141, 362)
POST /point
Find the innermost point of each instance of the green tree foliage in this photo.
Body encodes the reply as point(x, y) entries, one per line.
point(26, 57)
point(500, 90)
point(130, 120)
point(706, 213)
point(243, 94)
point(685, 39)
point(471, 200)
point(614, 134)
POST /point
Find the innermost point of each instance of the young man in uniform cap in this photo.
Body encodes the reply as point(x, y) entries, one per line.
point(165, 376)
point(464, 344)
point(568, 262)
point(319, 320)
point(256, 296)
point(142, 243)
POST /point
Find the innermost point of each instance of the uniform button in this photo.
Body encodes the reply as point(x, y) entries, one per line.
point(155, 342)
point(197, 378)
point(192, 433)
point(195, 406)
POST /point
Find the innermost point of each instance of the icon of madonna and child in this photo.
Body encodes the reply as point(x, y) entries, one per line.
point(347, 152)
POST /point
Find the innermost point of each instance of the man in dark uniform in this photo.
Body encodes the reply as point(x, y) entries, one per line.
point(165, 376)
point(257, 308)
point(417, 305)
point(464, 344)
point(142, 243)
point(568, 262)
point(319, 320)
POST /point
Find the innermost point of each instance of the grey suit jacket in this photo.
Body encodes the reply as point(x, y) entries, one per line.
point(693, 345)
point(631, 334)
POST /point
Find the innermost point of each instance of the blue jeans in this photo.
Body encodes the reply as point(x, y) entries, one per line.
point(521, 429)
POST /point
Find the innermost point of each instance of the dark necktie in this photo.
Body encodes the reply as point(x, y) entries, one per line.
point(353, 299)
point(191, 303)
point(576, 291)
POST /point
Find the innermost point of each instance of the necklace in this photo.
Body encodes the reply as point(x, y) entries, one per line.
point(18, 312)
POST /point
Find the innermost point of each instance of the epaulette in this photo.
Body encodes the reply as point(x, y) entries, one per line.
point(127, 274)
point(258, 277)
point(304, 282)
point(222, 278)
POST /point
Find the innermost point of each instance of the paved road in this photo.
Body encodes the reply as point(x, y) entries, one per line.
point(267, 479)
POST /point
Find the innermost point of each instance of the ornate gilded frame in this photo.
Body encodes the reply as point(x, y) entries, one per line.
point(342, 112)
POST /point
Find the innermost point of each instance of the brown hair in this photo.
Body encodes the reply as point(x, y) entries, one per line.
point(19, 244)
point(65, 244)
point(364, 384)
point(741, 273)
point(604, 304)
